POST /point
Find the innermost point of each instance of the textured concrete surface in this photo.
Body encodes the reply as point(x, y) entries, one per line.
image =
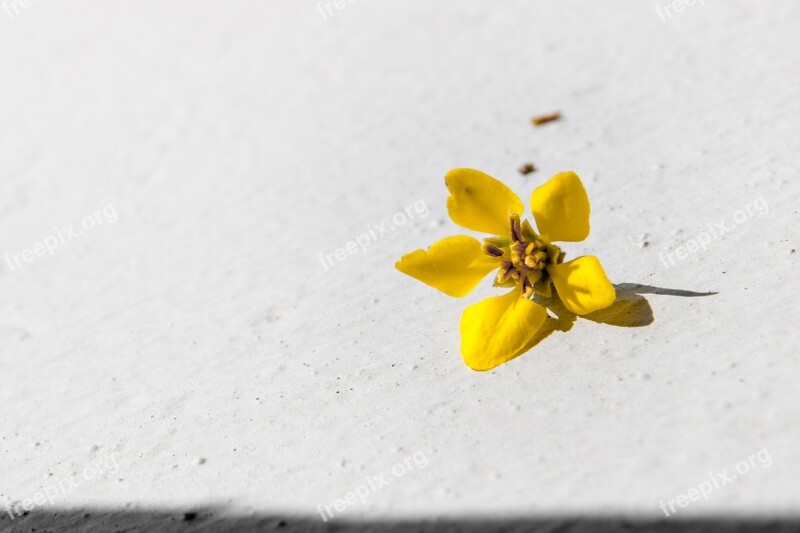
point(184, 346)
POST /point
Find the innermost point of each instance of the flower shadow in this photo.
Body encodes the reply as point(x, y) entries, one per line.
point(629, 310)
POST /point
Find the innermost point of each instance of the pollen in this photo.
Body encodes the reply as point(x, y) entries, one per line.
point(525, 257)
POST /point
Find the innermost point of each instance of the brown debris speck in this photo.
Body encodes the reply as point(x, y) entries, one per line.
point(527, 168)
point(544, 119)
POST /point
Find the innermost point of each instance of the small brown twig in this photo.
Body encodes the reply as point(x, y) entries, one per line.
point(544, 119)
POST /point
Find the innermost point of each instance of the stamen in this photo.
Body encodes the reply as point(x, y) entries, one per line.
point(492, 250)
point(504, 273)
point(516, 228)
point(527, 287)
point(528, 257)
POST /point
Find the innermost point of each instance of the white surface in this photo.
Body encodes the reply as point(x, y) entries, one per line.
point(237, 141)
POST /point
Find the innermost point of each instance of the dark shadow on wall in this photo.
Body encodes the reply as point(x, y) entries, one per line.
point(217, 519)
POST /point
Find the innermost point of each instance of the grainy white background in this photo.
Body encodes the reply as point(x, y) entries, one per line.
point(238, 140)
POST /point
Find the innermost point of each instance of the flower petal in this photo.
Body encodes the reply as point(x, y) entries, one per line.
point(582, 285)
point(454, 265)
point(496, 329)
point(561, 208)
point(479, 202)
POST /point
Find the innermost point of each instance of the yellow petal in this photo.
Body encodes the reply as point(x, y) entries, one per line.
point(479, 202)
point(498, 328)
point(561, 208)
point(453, 265)
point(582, 285)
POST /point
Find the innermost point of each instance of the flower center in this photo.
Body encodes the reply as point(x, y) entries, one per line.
point(524, 258)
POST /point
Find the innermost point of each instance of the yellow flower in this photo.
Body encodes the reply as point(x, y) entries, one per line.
point(499, 328)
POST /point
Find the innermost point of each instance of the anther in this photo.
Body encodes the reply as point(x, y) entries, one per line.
point(492, 249)
point(504, 273)
point(516, 228)
point(527, 288)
